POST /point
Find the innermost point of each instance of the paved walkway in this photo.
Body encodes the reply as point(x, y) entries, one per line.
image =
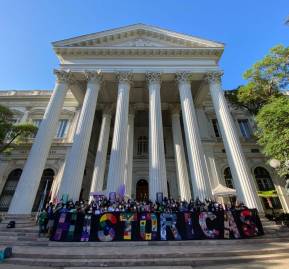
point(283, 264)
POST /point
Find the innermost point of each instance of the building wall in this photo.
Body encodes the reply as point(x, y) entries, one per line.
point(30, 105)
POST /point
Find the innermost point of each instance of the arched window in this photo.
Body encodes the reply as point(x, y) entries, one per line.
point(263, 179)
point(265, 183)
point(142, 145)
point(228, 178)
point(9, 189)
point(142, 190)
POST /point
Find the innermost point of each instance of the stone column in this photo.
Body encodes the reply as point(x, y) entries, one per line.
point(118, 150)
point(243, 179)
point(129, 155)
point(157, 163)
point(76, 159)
point(199, 176)
point(181, 165)
point(101, 154)
point(28, 184)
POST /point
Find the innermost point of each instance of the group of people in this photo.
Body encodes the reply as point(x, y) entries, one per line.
point(103, 204)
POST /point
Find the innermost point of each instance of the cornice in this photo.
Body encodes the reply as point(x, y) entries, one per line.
point(139, 51)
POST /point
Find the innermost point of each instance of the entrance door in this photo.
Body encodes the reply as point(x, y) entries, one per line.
point(142, 190)
point(43, 193)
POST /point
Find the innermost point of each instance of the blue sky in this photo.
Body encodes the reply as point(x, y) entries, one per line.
point(249, 28)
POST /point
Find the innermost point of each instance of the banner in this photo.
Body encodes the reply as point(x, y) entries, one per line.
point(154, 226)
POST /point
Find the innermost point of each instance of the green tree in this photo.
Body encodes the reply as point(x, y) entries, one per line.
point(273, 130)
point(266, 79)
point(12, 134)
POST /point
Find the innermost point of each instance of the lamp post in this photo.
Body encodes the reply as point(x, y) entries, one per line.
point(274, 163)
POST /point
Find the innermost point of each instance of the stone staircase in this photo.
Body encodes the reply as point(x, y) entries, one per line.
point(271, 229)
point(30, 250)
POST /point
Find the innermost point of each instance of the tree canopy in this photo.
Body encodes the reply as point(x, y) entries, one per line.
point(267, 78)
point(273, 129)
point(264, 97)
point(12, 134)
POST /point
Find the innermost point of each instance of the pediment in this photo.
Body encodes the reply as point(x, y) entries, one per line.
point(138, 35)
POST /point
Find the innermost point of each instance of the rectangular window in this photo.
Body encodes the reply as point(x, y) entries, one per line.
point(245, 128)
point(37, 123)
point(62, 129)
point(216, 127)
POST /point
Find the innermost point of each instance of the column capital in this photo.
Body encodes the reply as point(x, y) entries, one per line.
point(214, 76)
point(93, 76)
point(124, 77)
point(62, 75)
point(153, 77)
point(183, 77)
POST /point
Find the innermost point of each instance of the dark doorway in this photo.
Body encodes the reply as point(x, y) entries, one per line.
point(43, 193)
point(9, 189)
point(142, 190)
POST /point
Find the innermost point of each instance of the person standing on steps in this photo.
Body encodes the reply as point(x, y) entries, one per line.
point(42, 218)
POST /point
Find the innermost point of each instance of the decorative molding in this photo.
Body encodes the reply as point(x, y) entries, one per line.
point(62, 75)
point(93, 76)
point(138, 42)
point(184, 77)
point(124, 77)
point(214, 76)
point(153, 77)
point(86, 52)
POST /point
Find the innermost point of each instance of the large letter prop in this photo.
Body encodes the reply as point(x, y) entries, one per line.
point(249, 227)
point(169, 220)
point(86, 228)
point(210, 233)
point(189, 226)
point(106, 232)
point(62, 227)
point(230, 226)
point(144, 218)
point(127, 218)
point(147, 226)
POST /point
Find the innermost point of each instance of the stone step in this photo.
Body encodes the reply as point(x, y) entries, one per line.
point(18, 225)
point(19, 219)
point(195, 243)
point(20, 231)
point(141, 253)
point(167, 261)
point(26, 234)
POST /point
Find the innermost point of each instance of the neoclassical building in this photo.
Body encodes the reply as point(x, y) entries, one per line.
point(139, 110)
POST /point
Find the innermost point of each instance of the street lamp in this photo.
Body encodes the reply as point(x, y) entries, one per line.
point(274, 163)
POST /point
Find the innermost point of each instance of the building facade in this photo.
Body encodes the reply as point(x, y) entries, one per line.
point(138, 110)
